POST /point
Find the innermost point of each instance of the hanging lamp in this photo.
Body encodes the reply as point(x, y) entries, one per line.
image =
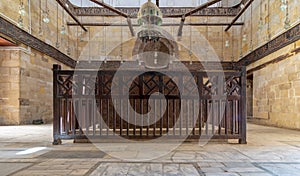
point(63, 28)
point(46, 18)
point(22, 10)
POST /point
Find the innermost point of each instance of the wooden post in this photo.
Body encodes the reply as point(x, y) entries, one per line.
point(243, 108)
point(56, 106)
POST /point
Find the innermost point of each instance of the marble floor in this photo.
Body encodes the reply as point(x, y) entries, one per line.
point(27, 151)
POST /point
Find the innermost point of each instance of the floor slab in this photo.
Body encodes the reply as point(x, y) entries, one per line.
point(27, 150)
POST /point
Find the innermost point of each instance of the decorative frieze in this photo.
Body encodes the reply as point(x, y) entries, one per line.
point(9, 29)
point(277, 43)
point(167, 11)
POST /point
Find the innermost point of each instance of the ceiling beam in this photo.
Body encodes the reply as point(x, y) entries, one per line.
point(195, 10)
point(130, 27)
point(164, 24)
point(63, 3)
point(239, 14)
point(181, 26)
point(111, 8)
point(202, 6)
point(9, 29)
point(168, 12)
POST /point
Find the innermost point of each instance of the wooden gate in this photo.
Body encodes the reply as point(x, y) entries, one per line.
point(84, 107)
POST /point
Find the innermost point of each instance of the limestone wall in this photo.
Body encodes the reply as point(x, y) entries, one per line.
point(275, 87)
point(36, 87)
point(9, 86)
point(272, 18)
point(207, 42)
point(276, 90)
point(32, 22)
point(107, 40)
point(25, 86)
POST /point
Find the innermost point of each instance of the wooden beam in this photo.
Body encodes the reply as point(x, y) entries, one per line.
point(111, 8)
point(181, 26)
point(168, 12)
point(285, 39)
point(239, 14)
point(19, 35)
point(63, 5)
point(202, 6)
point(243, 107)
point(164, 24)
point(130, 27)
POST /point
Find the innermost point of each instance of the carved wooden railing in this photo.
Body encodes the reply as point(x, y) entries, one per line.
point(84, 107)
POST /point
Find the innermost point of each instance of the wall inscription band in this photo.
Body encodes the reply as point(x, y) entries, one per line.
point(19, 35)
point(277, 43)
point(214, 11)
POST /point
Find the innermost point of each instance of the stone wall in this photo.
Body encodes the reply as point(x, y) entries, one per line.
point(79, 41)
point(207, 42)
point(32, 22)
point(276, 87)
point(9, 86)
point(25, 86)
point(107, 40)
point(26, 77)
point(272, 19)
point(36, 87)
point(276, 90)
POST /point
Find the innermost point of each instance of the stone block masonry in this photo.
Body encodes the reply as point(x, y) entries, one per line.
point(25, 86)
point(9, 87)
point(276, 93)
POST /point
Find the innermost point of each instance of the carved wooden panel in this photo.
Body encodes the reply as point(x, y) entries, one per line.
point(167, 11)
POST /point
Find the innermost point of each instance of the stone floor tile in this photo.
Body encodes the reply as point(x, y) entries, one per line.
point(212, 169)
point(270, 151)
point(237, 164)
point(78, 172)
point(221, 174)
point(255, 174)
point(9, 168)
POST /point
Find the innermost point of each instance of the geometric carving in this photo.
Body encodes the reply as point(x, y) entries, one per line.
point(213, 91)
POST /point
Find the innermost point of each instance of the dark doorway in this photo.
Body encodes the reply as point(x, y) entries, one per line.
point(249, 91)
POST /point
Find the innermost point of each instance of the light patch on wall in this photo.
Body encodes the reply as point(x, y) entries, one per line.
point(32, 60)
point(42, 90)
